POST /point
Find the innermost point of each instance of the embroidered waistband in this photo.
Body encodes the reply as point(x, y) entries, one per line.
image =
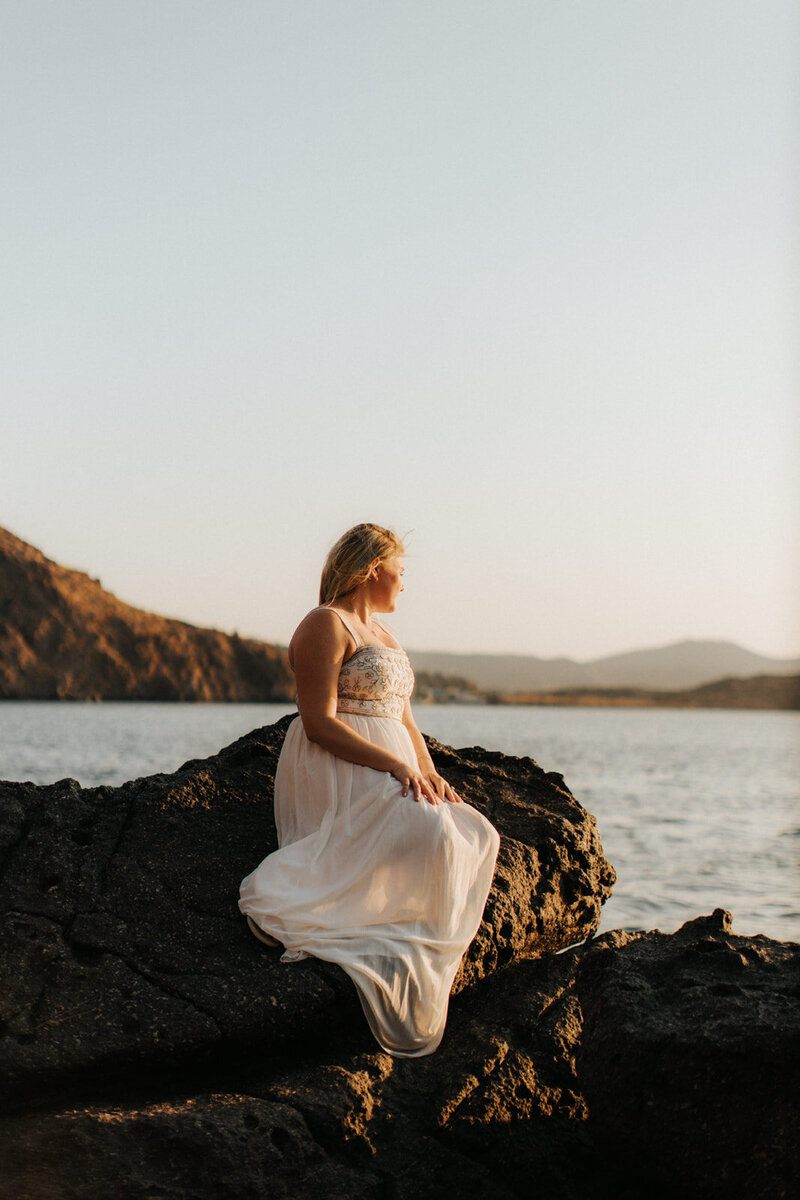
point(371, 708)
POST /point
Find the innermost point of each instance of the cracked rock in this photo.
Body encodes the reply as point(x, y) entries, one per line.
point(154, 1049)
point(125, 950)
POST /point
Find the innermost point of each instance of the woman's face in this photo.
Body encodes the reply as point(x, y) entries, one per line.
point(389, 582)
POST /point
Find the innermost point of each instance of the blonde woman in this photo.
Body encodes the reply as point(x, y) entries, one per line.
point(381, 867)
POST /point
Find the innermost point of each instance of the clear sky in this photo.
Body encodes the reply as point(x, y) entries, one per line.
point(519, 277)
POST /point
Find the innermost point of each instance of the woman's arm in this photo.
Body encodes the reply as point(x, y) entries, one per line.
point(442, 788)
point(316, 653)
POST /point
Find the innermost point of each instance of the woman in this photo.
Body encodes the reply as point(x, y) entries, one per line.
point(381, 867)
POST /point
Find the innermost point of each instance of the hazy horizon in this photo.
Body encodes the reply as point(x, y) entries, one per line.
point(468, 652)
point(518, 278)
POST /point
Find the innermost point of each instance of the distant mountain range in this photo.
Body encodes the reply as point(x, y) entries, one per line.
point(756, 691)
point(678, 666)
point(62, 636)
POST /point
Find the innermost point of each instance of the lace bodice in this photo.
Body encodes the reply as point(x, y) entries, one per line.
point(376, 681)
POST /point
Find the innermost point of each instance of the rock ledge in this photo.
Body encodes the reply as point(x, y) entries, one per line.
point(155, 1049)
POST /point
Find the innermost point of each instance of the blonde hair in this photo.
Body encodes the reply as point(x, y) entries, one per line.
point(350, 559)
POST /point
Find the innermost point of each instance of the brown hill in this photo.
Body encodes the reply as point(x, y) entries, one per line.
point(62, 636)
point(760, 691)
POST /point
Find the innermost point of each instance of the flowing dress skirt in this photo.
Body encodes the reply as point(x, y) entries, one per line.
point(389, 888)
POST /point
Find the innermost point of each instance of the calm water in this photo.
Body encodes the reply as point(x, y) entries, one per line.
point(696, 809)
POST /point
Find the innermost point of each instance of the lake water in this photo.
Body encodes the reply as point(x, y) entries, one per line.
point(696, 809)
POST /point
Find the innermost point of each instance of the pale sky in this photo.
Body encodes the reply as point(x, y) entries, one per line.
point(519, 277)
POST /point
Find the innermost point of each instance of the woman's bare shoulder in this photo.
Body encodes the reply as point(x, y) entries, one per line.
point(320, 627)
point(320, 617)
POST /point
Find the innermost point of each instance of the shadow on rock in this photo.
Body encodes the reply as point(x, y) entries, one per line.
point(155, 1048)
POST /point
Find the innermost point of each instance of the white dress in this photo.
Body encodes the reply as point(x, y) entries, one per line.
point(390, 888)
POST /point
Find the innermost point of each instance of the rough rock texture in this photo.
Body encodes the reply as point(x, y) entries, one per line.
point(125, 951)
point(626, 1067)
point(63, 637)
point(690, 1058)
point(154, 1049)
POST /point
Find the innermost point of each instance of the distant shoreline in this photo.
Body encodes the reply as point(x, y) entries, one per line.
point(768, 693)
point(760, 692)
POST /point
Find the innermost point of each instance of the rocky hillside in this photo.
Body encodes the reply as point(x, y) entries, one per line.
point(152, 1047)
point(62, 636)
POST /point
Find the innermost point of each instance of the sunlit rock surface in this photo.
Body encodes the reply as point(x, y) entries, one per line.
point(152, 1047)
point(125, 948)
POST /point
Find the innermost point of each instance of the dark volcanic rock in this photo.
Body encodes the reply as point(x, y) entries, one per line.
point(63, 637)
point(125, 954)
point(580, 1076)
point(689, 1058)
point(220, 1146)
point(153, 1048)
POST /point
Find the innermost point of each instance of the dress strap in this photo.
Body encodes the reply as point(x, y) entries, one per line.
point(357, 638)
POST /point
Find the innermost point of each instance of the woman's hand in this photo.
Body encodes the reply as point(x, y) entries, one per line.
point(413, 779)
point(441, 787)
